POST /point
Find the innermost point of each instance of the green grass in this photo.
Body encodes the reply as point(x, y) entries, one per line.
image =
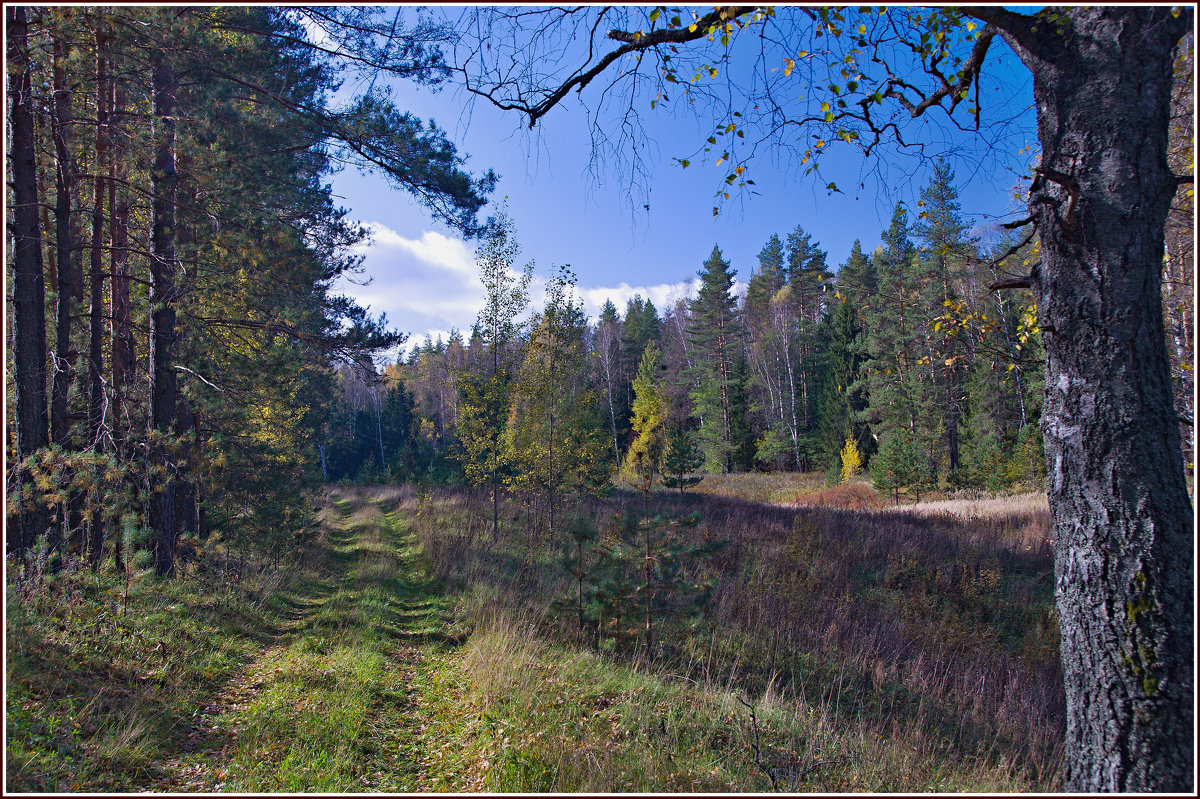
point(518, 714)
point(291, 680)
point(334, 711)
point(925, 647)
point(355, 670)
point(97, 698)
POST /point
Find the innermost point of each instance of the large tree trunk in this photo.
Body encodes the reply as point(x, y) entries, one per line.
point(96, 398)
point(185, 487)
point(68, 281)
point(64, 358)
point(1122, 515)
point(29, 300)
point(163, 270)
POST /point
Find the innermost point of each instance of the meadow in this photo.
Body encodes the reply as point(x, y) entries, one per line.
point(406, 648)
point(879, 649)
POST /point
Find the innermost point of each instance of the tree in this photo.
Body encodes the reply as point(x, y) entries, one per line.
point(842, 396)
point(29, 311)
point(1102, 81)
point(946, 248)
point(851, 460)
point(714, 333)
point(681, 459)
point(900, 464)
point(606, 342)
point(644, 461)
point(485, 401)
point(554, 426)
point(204, 139)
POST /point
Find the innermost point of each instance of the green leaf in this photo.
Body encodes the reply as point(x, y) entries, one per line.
point(685, 163)
point(654, 15)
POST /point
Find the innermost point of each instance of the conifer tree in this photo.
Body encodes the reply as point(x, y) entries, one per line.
point(680, 460)
point(899, 464)
point(899, 398)
point(714, 333)
point(945, 249)
point(857, 281)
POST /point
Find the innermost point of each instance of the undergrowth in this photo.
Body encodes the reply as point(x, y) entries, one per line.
point(904, 634)
point(100, 693)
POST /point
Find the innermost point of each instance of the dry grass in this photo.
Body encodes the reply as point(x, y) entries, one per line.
point(941, 626)
point(1032, 503)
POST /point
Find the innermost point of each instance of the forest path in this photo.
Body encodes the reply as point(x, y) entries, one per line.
point(329, 704)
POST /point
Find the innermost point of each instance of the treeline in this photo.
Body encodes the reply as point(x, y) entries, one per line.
point(902, 360)
point(173, 243)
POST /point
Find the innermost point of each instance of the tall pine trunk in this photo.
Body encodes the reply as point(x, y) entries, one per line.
point(97, 428)
point(67, 280)
point(1122, 515)
point(163, 270)
point(29, 297)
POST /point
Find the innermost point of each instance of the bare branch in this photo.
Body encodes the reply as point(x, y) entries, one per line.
point(957, 91)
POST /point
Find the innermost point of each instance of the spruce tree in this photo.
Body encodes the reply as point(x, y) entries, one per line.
point(857, 281)
point(945, 247)
point(680, 460)
point(714, 333)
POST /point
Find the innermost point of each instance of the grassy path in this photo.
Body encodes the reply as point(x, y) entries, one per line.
point(329, 705)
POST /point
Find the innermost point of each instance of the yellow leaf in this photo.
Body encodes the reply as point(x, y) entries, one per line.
point(788, 66)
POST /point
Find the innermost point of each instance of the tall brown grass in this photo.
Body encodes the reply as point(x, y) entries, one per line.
point(881, 620)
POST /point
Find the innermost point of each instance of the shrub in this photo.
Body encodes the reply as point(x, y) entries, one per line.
point(851, 460)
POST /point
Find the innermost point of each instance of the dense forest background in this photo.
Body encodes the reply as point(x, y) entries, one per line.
point(182, 366)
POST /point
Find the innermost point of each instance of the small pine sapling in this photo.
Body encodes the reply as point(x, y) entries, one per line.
point(664, 561)
point(900, 463)
point(681, 459)
point(584, 536)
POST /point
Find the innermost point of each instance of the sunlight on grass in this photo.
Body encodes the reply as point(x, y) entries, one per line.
point(520, 715)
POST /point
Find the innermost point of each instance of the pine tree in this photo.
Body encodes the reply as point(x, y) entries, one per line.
point(901, 463)
point(945, 247)
point(680, 460)
point(857, 281)
point(842, 398)
point(899, 396)
point(714, 333)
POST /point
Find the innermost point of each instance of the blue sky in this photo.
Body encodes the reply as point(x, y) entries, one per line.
point(422, 275)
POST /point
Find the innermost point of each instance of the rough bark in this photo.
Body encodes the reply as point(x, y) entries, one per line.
point(96, 389)
point(163, 268)
point(1122, 515)
point(185, 487)
point(29, 301)
point(64, 358)
point(67, 278)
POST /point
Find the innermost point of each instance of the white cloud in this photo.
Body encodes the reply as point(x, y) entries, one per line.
point(663, 295)
point(423, 284)
point(429, 286)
